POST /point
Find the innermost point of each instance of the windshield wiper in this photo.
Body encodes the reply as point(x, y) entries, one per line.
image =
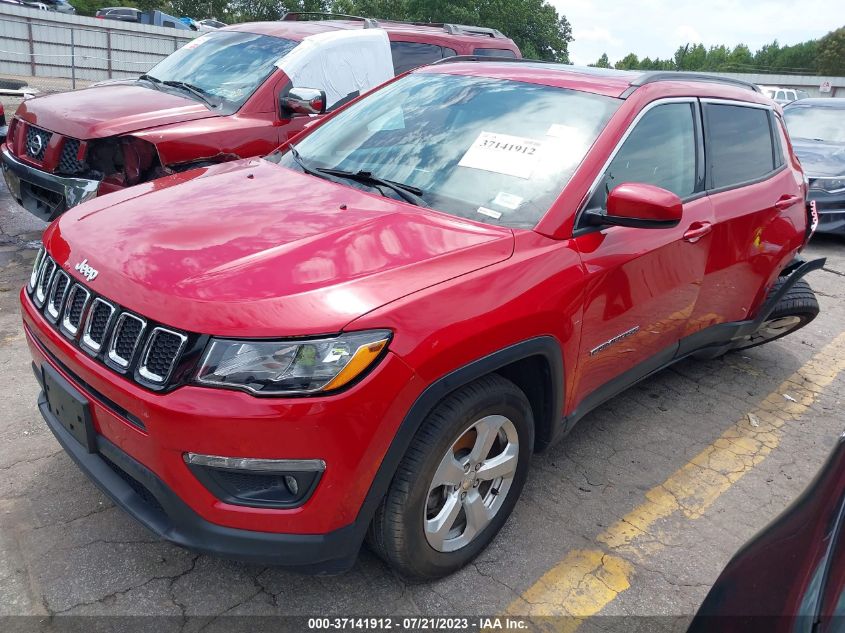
point(409, 193)
point(151, 79)
point(198, 92)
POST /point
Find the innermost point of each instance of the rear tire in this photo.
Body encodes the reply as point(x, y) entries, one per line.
point(488, 478)
point(796, 309)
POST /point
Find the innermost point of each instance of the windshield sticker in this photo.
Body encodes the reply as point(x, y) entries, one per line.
point(489, 212)
point(503, 154)
point(507, 200)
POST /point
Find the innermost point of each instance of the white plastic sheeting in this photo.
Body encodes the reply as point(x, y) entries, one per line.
point(340, 62)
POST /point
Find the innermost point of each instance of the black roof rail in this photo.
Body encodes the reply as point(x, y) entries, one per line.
point(679, 75)
point(369, 23)
point(453, 29)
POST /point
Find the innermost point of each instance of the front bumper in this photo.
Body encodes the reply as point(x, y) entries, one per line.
point(350, 431)
point(43, 194)
point(137, 490)
point(831, 208)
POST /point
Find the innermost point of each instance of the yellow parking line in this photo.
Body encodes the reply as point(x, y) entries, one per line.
point(585, 581)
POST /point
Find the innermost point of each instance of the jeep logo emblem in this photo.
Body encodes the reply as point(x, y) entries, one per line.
point(35, 145)
point(86, 270)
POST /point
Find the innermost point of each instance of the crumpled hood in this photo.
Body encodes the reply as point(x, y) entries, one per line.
point(254, 249)
point(110, 109)
point(820, 158)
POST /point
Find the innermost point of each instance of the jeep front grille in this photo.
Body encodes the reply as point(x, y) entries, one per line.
point(127, 343)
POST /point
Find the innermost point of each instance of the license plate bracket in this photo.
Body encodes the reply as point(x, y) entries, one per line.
point(70, 408)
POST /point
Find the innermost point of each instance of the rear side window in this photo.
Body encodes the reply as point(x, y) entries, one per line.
point(494, 52)
point(408, 55)
point(739, 144)
point(659, 151)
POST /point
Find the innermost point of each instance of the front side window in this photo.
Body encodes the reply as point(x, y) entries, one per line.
point(227, 66)
point(660, 151)
point(816, 123)
point(492, 150)
point(739, 144)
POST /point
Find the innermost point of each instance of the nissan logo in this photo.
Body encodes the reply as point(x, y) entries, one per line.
point(35, 145)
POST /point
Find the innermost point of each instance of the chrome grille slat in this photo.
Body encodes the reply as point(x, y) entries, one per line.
point(97, 324)
point(58, 292)
point(147, 353)
point(128, 331)
point(45, 277)
point(77, 301)
point(160, 354)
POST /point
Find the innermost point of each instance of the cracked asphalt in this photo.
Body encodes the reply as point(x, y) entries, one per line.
point(65, 549)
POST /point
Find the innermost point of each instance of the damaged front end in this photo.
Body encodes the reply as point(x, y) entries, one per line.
point(48, 174)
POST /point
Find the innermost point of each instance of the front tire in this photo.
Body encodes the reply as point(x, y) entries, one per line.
point(796, 309)
point(458, 482)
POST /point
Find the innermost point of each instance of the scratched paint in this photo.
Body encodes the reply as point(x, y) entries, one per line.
point(585, 581)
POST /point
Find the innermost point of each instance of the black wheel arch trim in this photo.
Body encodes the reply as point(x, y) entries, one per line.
point(547, 347)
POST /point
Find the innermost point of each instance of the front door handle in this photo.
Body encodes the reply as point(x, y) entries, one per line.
point(786, 201)
point(696, 231)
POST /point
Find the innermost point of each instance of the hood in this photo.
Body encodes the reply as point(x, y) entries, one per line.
point(254, 249)
point(820, 158)
point(110, 109)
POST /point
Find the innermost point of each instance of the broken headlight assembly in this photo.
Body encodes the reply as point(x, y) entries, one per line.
point(293, 367)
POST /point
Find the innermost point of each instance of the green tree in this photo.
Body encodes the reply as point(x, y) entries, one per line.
point(831, 56)
point(602, 62)
point(629, 62)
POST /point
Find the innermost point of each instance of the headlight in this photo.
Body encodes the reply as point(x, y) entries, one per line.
point(831, 185)
point(291, 367)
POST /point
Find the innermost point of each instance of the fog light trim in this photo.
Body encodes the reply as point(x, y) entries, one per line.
point(256, 464)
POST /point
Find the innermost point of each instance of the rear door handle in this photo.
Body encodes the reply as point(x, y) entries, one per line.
point(786, 201)
point(696, 231)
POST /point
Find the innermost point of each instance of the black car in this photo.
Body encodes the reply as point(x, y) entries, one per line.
point(790, 578)
point(817, 129)
point(124, 14)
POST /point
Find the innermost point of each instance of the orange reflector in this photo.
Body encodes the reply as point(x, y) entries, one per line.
point(361, 359)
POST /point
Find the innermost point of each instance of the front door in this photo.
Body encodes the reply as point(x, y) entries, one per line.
point(642, 284)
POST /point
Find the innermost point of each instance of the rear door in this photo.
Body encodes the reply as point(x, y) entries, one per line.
point(642, 284)
point(756, 205)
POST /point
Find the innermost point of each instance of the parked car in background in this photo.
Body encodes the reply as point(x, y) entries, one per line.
point(783, 96)
point(61, 6)
point(211, 24)
point(225, 95)
point(369, 332)
point(159, 18)
point(4, 129)
point(817, 130)
point(124, 14)
point(35, 5)
point(790, 578)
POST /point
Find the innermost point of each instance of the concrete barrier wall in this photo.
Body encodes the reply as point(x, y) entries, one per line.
point(37, 43)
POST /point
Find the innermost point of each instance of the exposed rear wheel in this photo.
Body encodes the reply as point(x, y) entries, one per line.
point(796, 309)
point(458, 482)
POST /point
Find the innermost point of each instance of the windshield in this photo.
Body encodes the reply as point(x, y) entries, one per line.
point(493, 150)
point(226, 67)
point(821, 123)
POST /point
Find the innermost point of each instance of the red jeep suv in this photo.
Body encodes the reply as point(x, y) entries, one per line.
point(220, 97)
point(368, 333)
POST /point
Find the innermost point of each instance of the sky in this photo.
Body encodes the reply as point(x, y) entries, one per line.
point(655, 28)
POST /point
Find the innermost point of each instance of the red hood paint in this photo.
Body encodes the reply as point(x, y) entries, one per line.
point(254, 249)
point(110, 109)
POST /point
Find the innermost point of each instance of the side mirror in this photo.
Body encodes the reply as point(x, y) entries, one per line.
point(639, 205)
point(303, 101)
